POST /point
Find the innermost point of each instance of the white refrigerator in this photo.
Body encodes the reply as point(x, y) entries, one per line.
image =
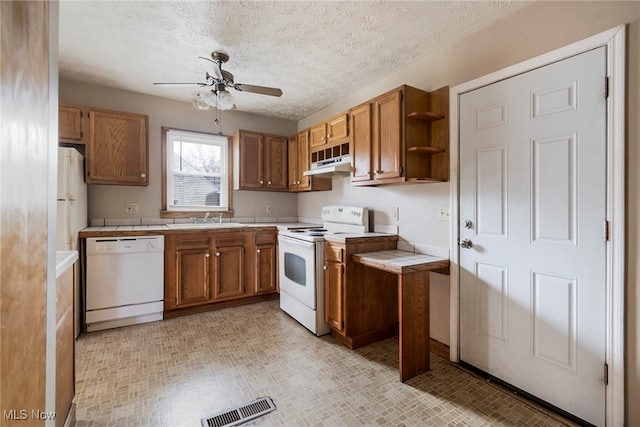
point(72, 213)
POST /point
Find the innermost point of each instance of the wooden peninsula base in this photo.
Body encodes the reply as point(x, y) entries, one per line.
point(412, 280)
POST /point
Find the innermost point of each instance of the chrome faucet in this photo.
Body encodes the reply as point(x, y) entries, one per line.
point(204, 219)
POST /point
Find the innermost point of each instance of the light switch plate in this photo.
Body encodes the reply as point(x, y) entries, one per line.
point(443, 213)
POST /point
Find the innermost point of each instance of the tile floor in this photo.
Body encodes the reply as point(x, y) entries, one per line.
point(175, 372)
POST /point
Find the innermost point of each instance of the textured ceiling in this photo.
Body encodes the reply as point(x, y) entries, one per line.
point(312, 50)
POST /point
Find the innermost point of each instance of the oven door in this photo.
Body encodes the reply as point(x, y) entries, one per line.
point(297, 262)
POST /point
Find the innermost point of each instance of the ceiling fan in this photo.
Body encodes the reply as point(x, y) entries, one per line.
point(219, 81)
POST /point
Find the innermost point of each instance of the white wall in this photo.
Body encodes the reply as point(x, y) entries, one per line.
point(107, 201)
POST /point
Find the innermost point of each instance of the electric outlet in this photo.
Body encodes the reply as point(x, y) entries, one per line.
point(131, 208)
point(396, 213)
point(443, 213)
point(268, 208)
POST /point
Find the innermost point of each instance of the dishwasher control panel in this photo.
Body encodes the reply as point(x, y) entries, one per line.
point(125, 244)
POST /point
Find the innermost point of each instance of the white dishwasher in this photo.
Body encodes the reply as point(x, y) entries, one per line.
point(125, 281)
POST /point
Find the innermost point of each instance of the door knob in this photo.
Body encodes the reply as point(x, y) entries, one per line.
point(468, 224)
point(466, 244)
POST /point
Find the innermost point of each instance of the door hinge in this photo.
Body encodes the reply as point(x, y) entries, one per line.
point(606, 374)
point(401, 170)
point(606, 87)
point(606, 230)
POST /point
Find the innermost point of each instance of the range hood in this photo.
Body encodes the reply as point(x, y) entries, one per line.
point(340, 164)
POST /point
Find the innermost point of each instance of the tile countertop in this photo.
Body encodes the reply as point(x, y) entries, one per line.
point(342, 237)
point(64, 260)
point(398, 262)
point(122, 229)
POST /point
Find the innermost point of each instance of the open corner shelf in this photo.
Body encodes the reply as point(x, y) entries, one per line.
point(424, 150)
point(425, 116)
point(424, 180)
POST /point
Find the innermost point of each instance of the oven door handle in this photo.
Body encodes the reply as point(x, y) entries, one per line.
point(289, 240)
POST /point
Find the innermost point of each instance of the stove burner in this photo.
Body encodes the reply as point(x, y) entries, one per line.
point(317, 230)
point(297, 231)
point(316, 234)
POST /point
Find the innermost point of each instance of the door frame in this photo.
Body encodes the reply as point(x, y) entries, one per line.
point(614, 40)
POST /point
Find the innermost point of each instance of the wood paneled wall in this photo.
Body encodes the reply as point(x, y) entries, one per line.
point(24, 164)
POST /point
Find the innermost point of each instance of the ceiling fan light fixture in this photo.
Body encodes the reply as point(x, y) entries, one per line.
point(225, 100)
point(204, 101)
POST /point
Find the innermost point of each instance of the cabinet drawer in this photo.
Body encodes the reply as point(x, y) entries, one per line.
point(229, 241)
point(334, 253)
point(265, 237)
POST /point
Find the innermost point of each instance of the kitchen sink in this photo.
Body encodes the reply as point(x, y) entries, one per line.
point(199, 225)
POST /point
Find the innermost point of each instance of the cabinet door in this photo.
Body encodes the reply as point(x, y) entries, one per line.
point(251, 160)
point(318, 135)
point(192, 276)
point(265, 269)
point(292, 150)
point(304, 161)
point(276, 162)
point(361, 142)
point(387, 143)
point(70, 123)
point(228, 280)
point(118, 148)
point(338, 128)
point(334, 295)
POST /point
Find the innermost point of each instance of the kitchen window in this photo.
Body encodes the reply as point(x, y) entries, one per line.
point(196, 172)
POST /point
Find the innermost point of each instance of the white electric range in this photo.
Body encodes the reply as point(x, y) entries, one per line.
point(301, 262)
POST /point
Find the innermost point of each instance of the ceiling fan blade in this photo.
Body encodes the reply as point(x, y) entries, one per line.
point(263, 90)
point(216, 73)
point(180, 84)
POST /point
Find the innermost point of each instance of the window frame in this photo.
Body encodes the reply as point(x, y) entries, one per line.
point(187, 213)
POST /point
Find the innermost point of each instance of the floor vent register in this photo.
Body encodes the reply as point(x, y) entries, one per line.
point(240, 415)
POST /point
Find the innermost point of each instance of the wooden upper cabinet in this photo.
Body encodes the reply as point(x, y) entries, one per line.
point(409, 138)
point(303, 161)
point(337, 128)
point(387, 137)
point(249, 158)
point(71, 127)
point(318, 135)
point(260, 161)
point(299, 162)
point(292, 155)
point(360, 118)
point(276, 162)
point(117, 150)
point(329, 132)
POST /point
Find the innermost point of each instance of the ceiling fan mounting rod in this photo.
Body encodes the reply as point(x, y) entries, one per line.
point(219, 57)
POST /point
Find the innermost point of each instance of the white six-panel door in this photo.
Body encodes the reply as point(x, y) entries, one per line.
point(532, 212)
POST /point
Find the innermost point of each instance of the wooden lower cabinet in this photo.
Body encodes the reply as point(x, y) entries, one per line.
point(187, 271)
point(334, 295)
point(65, 350)
point(228, 272)
point(265, 255)
point(209, 270)
point(361, 304)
